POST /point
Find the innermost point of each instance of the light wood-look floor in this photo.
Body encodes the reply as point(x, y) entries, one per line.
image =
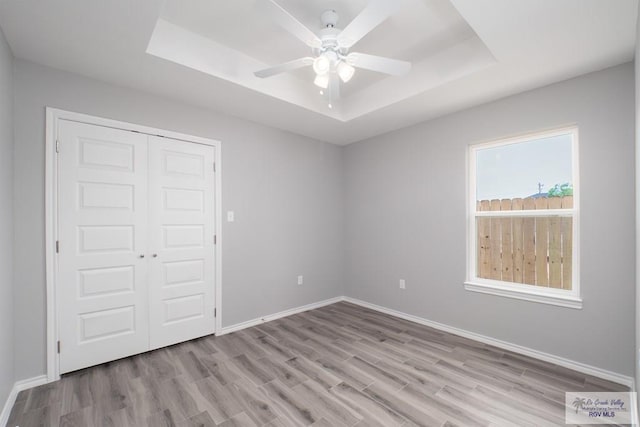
point(341, 365)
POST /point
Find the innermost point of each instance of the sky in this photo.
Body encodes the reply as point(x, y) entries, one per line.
point(514, 170)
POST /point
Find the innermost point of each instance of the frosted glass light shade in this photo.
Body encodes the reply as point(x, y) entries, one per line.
point(322, 80)
point(321, 65)
point(345, 71)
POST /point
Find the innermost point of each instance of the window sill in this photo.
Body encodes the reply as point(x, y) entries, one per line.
point(543, 296)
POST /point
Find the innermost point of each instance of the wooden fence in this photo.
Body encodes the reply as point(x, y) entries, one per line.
point(531, 250)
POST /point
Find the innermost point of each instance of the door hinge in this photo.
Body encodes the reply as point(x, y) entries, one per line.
point(215, 312)
point(215, 239)
point(58, 347)
point(214, 166)
point(57, 246)
point(57, 146)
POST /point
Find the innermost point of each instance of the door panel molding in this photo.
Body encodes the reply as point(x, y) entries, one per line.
point(106, 158)
point(180, 236)
point(96, 327)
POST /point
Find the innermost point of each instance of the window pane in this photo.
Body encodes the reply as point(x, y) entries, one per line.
point(535, 169)
point(530, 250)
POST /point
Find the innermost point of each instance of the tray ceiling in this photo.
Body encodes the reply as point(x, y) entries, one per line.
point(430, 34)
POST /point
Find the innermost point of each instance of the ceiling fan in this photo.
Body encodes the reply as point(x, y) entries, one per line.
point(331, 60)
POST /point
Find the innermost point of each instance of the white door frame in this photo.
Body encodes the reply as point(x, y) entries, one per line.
point(53, 116)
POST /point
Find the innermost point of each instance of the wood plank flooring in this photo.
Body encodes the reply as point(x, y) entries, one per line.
point(340, 365)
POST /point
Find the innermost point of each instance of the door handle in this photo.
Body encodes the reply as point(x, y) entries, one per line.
point(155, 255)
point(141, 256)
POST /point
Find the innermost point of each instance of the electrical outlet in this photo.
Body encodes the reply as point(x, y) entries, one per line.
point(230, 216)
point(300, 280)
point(403, 284)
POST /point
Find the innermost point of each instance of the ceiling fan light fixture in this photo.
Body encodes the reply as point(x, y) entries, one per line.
point(332, 62)
point(345, 71)
point(322, 80)
point(322, 65)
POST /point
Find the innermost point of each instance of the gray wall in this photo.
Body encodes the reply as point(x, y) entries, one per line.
point(405, 218)
point(286, 191)
point(637, 136)
point(6, 220)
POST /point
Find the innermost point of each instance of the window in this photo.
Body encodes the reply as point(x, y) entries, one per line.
point(523, 218)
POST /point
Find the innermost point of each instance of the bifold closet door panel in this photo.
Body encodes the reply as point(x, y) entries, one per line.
point(181, 234)
point(101, 289)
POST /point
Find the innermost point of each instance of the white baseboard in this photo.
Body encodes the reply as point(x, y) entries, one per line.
point(270, 317)
point(13, 394)
point(561, 361)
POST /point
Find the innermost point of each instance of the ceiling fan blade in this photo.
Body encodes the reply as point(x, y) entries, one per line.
point(289, 22)
point(287, 66)
point(379, 63)
point(372, 16)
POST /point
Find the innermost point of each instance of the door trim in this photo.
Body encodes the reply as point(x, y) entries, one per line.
point(53, 116)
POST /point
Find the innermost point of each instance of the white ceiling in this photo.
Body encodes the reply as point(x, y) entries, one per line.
point(465, 52)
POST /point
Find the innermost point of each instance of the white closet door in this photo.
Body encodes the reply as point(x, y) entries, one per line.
point(181, 234)
point(101, 288)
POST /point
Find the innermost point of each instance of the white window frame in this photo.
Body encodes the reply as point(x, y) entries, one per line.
point(559, 297)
